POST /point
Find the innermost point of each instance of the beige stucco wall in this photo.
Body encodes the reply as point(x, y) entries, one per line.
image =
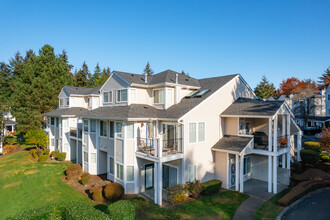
point(230, 126)
point(129, 152)
point(209, 112)
point(221, 168)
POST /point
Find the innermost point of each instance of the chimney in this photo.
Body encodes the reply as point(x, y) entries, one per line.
point(145, 77)
point(177, 79)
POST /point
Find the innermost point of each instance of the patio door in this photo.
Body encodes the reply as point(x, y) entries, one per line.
point(170, 176)
point(169, 136)
point(232, 172)
point(149, 176)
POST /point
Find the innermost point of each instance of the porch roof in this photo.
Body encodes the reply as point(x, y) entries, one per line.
point(232, 143)
point(252, 107)
point(10, 122)
point(75, 111)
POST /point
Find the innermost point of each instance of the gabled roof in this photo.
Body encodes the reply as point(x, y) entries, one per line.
point(82, 90)
point(252, 107)
point(60, 112)
point(167, 76)
point(232, 143)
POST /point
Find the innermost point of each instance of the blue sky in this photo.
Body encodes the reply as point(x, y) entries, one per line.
point(204, 38)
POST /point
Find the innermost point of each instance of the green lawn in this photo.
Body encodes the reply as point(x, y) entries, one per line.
point(25, 184)
point(270, 210)
point(219, 206)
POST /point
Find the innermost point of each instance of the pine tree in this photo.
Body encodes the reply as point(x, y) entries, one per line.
point(264, 89)
point(105, 75)
point(95, 80)
point(83, 76)
point(325, 79)
point(147, 70)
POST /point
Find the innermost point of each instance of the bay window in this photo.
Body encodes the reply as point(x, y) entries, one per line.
point(122, 95)
point(159, 96)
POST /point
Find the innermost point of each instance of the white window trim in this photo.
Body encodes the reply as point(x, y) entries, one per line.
point(177, 171)
point(90, 158)
point(114, 130)
point(118, 96)
point(106, 124)
point(90, 126)
point(122, 130)
point(197, 132)
point(189, 167)
point(130, 165)
point(172, 97)
point(114, 161)
point(62, 102)
point(121, 180)
point(245, 158)
point(67, 105)
point(153, 96)
point(109, 97)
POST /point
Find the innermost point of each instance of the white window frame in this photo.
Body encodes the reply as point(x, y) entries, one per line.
point(85, 161)
point(67, 101)
point(133, 174)
point(117, 173)
point(189, 167)
point(245, 164)
point(131, 98)
point(117, 96)
point(90, 127)
point(171, 101)
point(106, 124)
point(52, 142)
point(197, 132)
point(110, 97)
point(90, 157)
point(114, 165)
point(153, 96)
point(89, 102)
point(84, 125)
point(116, 132)
point(61, 102)
point(113, 129)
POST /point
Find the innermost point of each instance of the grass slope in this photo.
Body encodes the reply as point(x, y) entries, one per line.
point(219, 206)
point(25, 184)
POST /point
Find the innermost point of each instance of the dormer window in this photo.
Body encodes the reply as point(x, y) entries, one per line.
point(107, 97)
point(122, 95)
point(67, 101)
point(61, 102)
point(159, 96)
point(89, 102)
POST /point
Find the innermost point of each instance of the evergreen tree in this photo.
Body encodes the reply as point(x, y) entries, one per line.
point(147, 70)
point(95, 80)
point(264, 89)
point(83, 76)
point(36, 81)
point(325, 79)
point(104, 75)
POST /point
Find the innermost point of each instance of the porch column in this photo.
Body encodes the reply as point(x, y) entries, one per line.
point(288, 131)
point(183, 170)
point(283, 160)
point(241, 174)
point(298, 145)
point(275, 174)
point(270, 131)
point(237, 180)
point(155, 183)
point(269, 173)
point(288, 158)
point(283, 126)
point(160, 183)
point(275, 134)
point(12, 128)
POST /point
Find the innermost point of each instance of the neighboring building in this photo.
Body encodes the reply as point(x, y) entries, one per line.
point(327, 101)
point(152, 132)
point(9, 122)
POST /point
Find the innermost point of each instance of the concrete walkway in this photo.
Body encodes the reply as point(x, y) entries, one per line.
point(258, 192)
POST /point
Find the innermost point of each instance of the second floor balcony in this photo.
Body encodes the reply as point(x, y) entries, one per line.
point(157, 147)
point(76, 132)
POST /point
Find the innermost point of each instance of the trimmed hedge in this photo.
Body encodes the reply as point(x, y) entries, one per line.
point(325, 158)
point(39, 151)
point(61, 156)
point(315, 146)
point(43, 158)
point(96, 193)
point(211, 187)
point(54, 153)
point(74, 170)
point(66, 210)
point(46, 152)
point(113, 191)
point(309, 156)
point(85, 178)
point(35, 155)
point(122, 209)
point(32, 151)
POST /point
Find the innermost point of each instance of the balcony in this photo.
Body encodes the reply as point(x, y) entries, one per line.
point(152, 146)
point(76, 132)
point(261, 141)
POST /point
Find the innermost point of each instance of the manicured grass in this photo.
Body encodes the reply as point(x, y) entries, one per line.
point(219, 206)
point(270, 210)
point(26, 184)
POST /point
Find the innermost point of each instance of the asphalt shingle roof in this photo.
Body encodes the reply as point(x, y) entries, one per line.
point(75, 111)
point(232, 143)
point(249, 107)
point(167, 76)
point(82, 90)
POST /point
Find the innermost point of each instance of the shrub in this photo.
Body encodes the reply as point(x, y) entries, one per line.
point(32, 151)
point(309, 156)
point(85, 178)
point(297, 167)
point(66, 210)
point(122, 209)
point(61, 156)
point(113, 191)
point(54, 154)
point(74, 170)
point(39, 151)
point(315, 146)
point(325, 139)
point(195, 188)
point(178, 193)
point(96, 193)
point(211, 187)
point(35, 155)
point(37, 137)
point(325, 158)
point(11, 140)
point(43, 158)
point(46, 152)
point(10, 148)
